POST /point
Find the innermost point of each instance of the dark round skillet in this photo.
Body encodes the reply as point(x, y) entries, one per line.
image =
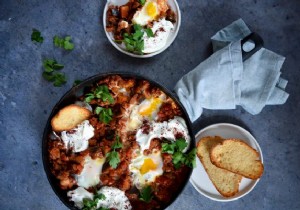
point(70, 97)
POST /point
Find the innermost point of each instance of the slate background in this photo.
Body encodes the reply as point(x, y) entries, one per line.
point(26, 99)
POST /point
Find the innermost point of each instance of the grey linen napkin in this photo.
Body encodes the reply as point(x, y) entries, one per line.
point(223, 81)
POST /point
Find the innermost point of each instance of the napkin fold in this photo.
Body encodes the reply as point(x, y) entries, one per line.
point(224, 81)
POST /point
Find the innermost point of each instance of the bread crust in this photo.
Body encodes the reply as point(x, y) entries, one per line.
point(208, 142)
point(69, 117)
point(218, 160)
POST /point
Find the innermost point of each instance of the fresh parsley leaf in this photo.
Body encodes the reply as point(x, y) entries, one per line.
point(89, 97)
point(134, 42)
point(101, 92)
point(63, 42)
point(178, 157)
point(190, 159)
point(58, 42)
point(105, 114)
point(146, 194)
point(113, 156)
point(100, 196)
point(49, 74)
point(113, 159)
point(137, 27)
point(88, 203)
point(59, 79)
point(76, 82)
point(168, 148)
point(142, 2)
point(67, 44)
point(50, 65)
point(181, 144)
point(91, 204)
point(149, 32)
point(36, 36)
point(117, 144)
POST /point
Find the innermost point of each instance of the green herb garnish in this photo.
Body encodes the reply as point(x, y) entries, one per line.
point(134, 42)
point(50, 65)
point(181, 144)
point(149, 32)
point(142, 2)
point(36, 36)
point(113, 156)
point(63, 42)
point(76, 82)
point(179, 158)
point(113, 159)
point(50, 72)
point(146, 194)
point(101, 92)
point(89, 204)
point(190, 159)
point(117, 144)
point(105, 114)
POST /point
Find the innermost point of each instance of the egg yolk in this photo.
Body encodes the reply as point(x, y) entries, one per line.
point(147, 166)
point(151, 9)
point(155, 103)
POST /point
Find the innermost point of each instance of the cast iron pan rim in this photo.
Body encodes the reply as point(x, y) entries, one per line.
point(89, 81)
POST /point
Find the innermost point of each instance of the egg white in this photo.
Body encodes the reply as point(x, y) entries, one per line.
point(78, 140)
point(90, 175)
point(167, 130)
point(114, 198)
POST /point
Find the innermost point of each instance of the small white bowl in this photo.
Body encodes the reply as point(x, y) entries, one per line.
point(199, 178)
point(173, 5)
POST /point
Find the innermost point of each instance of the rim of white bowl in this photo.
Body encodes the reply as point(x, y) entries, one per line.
point(174, 35)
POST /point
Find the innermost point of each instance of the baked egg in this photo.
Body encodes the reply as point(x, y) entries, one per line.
point(145, 168)
point(90, 175)
point(148, 13)
point(148, 110)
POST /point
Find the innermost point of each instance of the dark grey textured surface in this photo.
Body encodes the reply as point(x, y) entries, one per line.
point(26, 99)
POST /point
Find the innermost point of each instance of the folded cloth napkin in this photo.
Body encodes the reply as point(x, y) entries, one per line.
point(223, 80)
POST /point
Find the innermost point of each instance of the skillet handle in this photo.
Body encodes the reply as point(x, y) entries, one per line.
point(258, 42)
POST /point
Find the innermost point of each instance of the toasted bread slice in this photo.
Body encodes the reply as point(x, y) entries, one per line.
point(237, 156)
point(69, 117)
point(226, 182)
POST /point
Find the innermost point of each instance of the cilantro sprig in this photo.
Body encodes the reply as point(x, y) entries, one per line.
point(36, 36)
point(142, 2)
point(178, 157)
point(51, 64)
point(89, 204)
point(113, 156)
point(64, 43)
point(101, 92)
point(149, 32)
point(134, 42)
point(146, 194)
point(105, 114)
point(50, 72)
